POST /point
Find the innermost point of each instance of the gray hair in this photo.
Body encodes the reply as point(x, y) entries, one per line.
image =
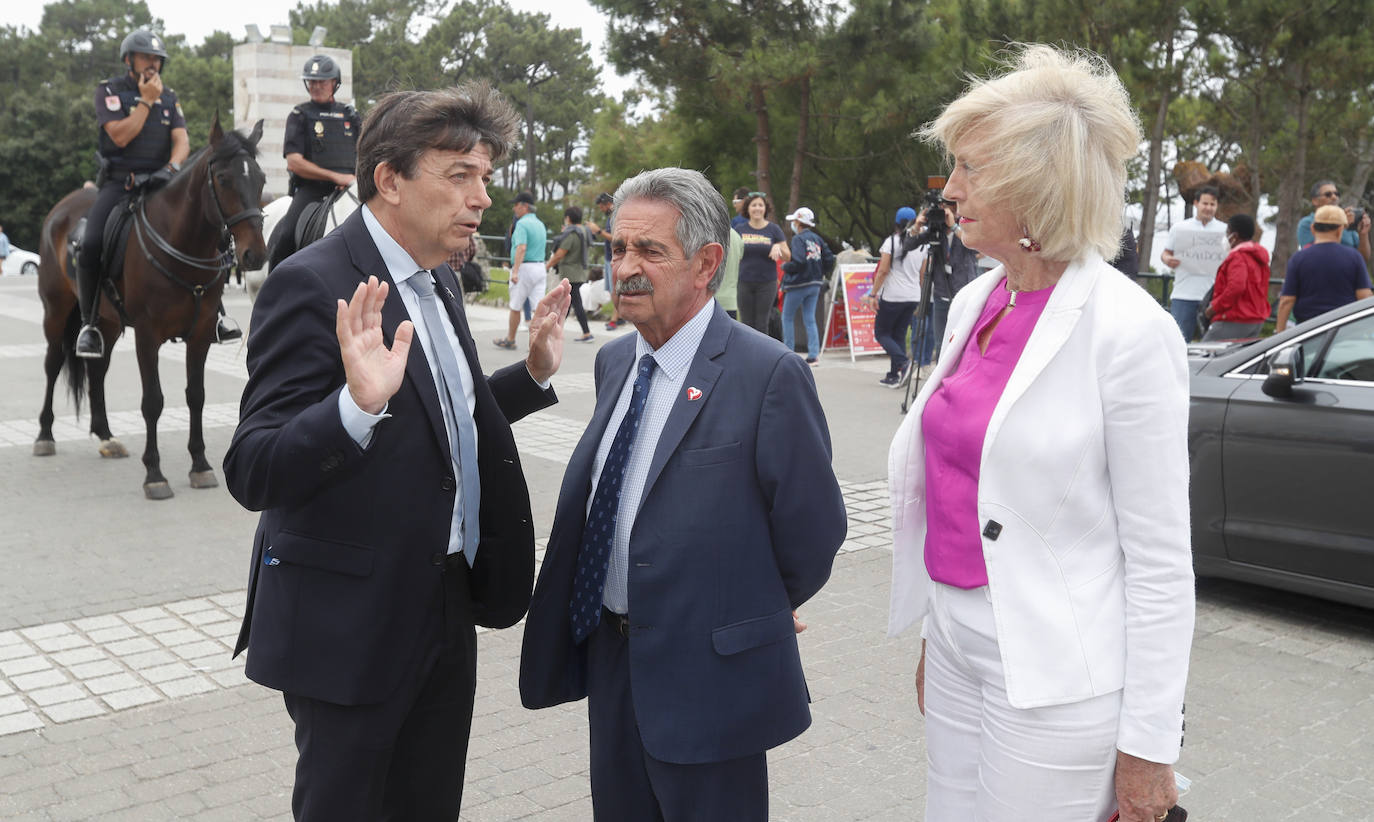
point(702, 213)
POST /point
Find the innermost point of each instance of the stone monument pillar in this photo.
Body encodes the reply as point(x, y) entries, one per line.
point(267, 85)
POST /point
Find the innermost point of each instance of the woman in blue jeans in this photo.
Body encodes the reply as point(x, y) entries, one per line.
point(801, 281)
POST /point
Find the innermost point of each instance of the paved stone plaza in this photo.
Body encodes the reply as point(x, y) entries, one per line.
point(118, 699)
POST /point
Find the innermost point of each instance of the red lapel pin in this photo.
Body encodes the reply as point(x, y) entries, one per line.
point(693, 393)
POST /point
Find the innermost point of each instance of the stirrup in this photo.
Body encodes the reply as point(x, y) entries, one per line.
point(227, 329)
point(90, 344)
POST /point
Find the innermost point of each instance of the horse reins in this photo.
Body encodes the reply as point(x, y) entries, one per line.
point(220, 264)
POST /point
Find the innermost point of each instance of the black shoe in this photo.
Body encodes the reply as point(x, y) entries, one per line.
point(226, 330)
point(89, 344)
point(889, 380)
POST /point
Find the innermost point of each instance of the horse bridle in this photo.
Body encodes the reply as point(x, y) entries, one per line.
point(220, 264)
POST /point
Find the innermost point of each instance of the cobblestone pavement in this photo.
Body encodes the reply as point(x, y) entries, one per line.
point(118, 699)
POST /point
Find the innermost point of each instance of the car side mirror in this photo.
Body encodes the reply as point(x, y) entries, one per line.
point(1285, 371)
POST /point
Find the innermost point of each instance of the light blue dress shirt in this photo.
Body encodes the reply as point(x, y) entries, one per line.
point(672, 359)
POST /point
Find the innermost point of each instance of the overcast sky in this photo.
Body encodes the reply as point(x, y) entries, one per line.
point(196, 20)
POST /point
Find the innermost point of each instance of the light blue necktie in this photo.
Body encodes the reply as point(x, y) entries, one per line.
point(584, 608)
point(464, 451)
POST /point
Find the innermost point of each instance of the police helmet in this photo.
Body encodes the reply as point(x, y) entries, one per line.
point(322, 67)
point(142, 41)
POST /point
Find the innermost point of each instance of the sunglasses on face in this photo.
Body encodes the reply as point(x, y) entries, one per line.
point(1330, 194)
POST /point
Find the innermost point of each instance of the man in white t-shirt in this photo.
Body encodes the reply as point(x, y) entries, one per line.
point(1194, 273)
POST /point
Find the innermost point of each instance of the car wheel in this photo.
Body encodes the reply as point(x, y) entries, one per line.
point(30, 269)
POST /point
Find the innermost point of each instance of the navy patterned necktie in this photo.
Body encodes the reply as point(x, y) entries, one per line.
point(464, 451)
point(599, 532)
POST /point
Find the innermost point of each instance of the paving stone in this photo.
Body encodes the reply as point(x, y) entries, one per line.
point(73, 710)
point(119, 700)
point(18, 722)
point(44, 697)
point(38, 679)
point(23, 665)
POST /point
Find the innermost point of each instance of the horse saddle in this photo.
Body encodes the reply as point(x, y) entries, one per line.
point(114, 239)
point(314, 220)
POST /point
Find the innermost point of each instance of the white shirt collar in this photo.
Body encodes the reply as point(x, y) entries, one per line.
point(398, 261)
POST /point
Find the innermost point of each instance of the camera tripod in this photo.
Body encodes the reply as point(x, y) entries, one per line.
point(919, 328)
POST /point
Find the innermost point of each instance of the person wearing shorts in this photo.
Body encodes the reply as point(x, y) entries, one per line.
point(528, 275)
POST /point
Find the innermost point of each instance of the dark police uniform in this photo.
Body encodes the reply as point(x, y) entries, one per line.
point(116, 99)
point(326, 135)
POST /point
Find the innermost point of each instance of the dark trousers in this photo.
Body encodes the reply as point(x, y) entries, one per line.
point(925, 347)
point(939, 318)
point(629, 785)
point(88, 268)
point(890, 329)
point(282, 243)
point(578, 311)
point(400, 760)
point(756, 302)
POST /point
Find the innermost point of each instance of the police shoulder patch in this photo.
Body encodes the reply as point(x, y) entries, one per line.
point(112, 102)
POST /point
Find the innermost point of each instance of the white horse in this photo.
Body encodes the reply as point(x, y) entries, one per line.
point(273, 213)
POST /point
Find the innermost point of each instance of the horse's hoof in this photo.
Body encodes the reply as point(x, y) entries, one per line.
point(112, 448)
point(204, 479)
point(44, 448)
point(157, 490)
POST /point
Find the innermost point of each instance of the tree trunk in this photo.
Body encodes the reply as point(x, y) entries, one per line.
point(1291, 184)
point(529, 145)
point(763, 141)
point(1364, 164)
point(803, 121)
point(1150, 200)
point(567, 167)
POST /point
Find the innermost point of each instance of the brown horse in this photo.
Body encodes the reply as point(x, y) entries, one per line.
point(174, 270)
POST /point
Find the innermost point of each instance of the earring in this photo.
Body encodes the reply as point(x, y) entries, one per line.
point(1026, 243)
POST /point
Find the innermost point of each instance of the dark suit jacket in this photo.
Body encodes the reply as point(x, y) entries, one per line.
point(345, 594)
point(739, 523)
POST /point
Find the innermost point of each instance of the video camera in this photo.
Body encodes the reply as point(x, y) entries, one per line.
point(936, 225)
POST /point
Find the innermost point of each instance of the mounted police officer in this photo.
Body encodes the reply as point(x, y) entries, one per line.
point(142, 131)
point(320, 149)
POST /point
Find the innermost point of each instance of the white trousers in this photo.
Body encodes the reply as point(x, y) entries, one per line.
point(531, 278)
point(991, 762)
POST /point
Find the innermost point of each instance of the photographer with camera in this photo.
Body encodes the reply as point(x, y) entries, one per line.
point(959, 269)
point(1356, 233)
point(896, 292)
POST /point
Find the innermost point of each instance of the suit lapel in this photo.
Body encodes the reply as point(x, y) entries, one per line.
point(457, 315)
point(368, 261)
point(1051, 331)
point(702, 376)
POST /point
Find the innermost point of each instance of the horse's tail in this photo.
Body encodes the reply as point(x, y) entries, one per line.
point(75, 366)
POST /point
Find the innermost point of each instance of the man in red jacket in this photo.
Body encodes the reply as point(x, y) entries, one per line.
point(1240, 295)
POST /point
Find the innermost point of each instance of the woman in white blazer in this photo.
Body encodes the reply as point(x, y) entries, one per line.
point(1040, 483)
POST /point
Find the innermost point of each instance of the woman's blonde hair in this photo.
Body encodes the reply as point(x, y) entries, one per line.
point(1054, 134)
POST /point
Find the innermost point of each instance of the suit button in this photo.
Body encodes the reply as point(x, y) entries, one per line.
point(436, 559)
point(993, 530)
point(447, 484)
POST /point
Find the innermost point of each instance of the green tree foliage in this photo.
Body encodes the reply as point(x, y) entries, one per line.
point(545, 70)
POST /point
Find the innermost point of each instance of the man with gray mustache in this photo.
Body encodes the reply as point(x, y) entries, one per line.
point(698, 512)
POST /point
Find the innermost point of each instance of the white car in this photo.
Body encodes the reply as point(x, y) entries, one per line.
point(20, 262)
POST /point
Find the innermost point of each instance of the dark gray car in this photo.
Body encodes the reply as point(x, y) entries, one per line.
point(1281, 435)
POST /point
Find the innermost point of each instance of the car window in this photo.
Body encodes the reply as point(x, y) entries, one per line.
point(1351, 353)
point(1312, 348)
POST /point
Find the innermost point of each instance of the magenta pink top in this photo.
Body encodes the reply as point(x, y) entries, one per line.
point(954, 424)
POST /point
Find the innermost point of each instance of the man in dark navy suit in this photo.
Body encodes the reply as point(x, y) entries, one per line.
point(698, 512)
point(395, 513)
